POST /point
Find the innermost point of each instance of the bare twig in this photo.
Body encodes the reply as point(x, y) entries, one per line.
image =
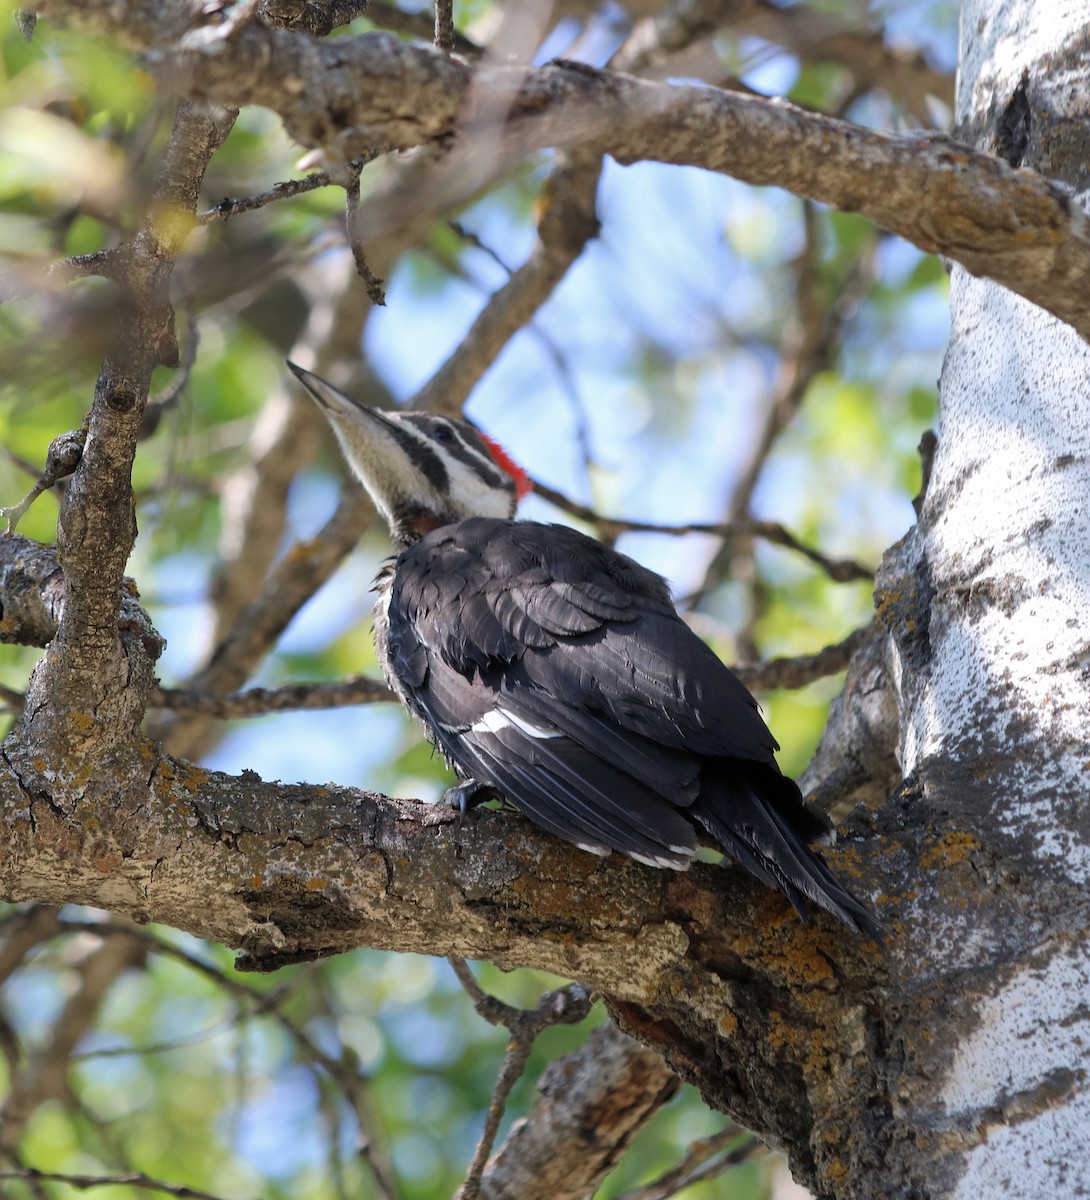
point(839, 570)
point(802, 669)
point(352, 229)
point(134, 1179)
point(567, 1006)
point(417, 25)
point(256, 702)
point(231, 207)
point(467, 235)
point(702, 1161)
point(568, 224)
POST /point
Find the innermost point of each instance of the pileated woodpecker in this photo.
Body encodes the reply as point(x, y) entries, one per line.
point(556, 672)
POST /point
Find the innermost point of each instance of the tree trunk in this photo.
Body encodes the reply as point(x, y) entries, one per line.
point(987, 1028)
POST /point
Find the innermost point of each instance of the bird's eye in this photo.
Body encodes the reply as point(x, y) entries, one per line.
point(443, 433)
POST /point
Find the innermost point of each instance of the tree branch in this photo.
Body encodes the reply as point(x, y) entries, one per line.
point(1012, 226)
point(609, 528)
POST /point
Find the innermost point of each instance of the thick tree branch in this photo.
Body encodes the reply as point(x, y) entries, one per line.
point(712, 968)
point(1014, 227)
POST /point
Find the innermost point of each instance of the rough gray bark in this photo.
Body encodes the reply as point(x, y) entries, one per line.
point(941, 1063)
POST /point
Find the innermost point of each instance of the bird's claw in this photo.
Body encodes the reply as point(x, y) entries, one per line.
point(468, 794)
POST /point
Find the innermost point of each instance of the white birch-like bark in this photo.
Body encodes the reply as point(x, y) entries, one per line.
point(995, 688)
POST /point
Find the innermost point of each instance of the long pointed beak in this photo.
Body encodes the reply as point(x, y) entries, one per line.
point(331, 399)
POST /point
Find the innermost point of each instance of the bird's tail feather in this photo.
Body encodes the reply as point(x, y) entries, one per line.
point(765, 829)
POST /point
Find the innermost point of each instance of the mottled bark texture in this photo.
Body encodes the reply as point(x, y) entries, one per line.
point(949, 1061)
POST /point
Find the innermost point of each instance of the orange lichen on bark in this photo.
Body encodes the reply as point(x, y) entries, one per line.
point(191, 777)
point(82, 722)
point(952, 848)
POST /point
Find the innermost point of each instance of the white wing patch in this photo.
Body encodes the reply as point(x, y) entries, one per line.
point(497, 719)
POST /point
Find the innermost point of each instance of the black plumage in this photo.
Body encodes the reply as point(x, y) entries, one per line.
point(556, 671)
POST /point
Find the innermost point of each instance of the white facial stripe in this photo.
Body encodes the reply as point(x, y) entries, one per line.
point(477, 486)
point(497, 718)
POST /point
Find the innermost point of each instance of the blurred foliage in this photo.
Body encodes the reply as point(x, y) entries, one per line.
point(639, 389)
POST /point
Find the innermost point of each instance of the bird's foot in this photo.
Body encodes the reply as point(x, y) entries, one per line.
point(468, 794)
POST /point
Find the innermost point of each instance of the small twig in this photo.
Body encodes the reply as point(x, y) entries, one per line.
point(567, 1006)
point(231, 207)
point(472, 239)
point(444, 25)
point(493, 1010)
point(839, 570)
point(62, 458)
point(700, 1163)
point(11, 700)
point(352, 226)
point(797, 672)
point(130, 1179)
point(254, 702)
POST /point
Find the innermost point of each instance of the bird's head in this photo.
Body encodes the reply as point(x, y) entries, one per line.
point(422, 470)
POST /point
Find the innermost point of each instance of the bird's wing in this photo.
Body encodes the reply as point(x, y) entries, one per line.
point(557, 670)
point(546, 608)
